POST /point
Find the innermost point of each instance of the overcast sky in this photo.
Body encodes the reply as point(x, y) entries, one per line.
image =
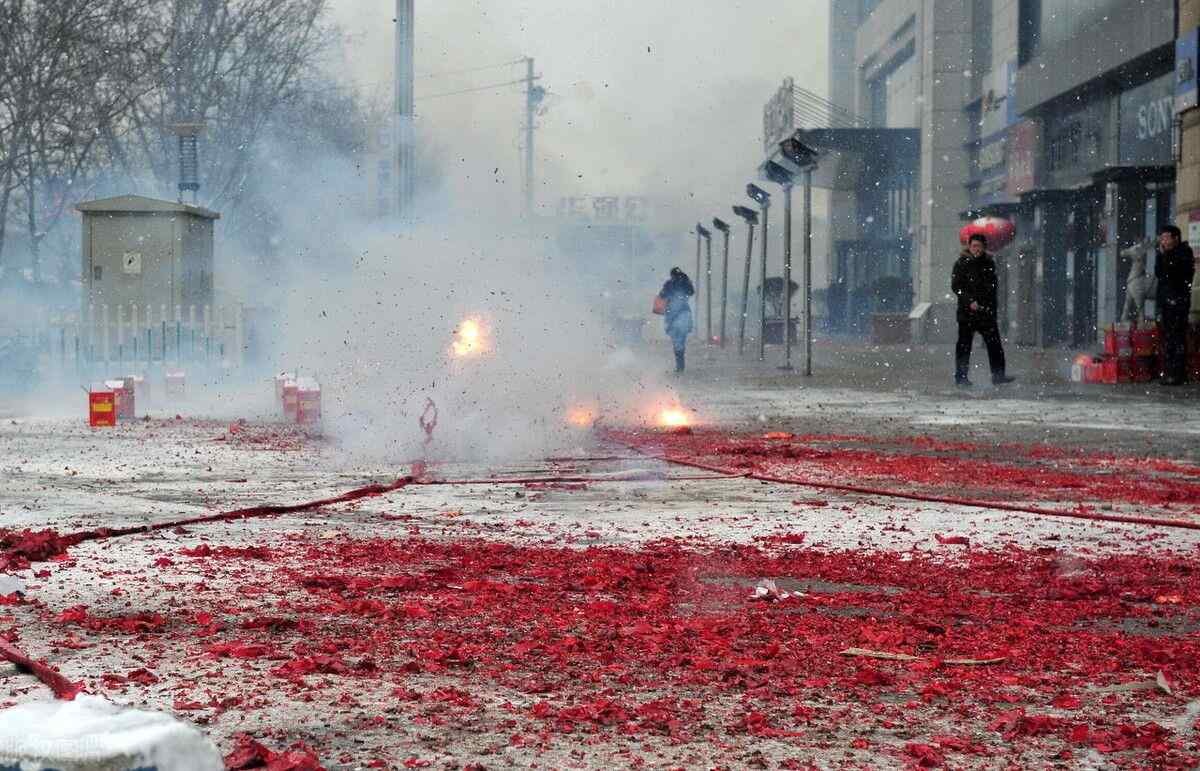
point(647, 97)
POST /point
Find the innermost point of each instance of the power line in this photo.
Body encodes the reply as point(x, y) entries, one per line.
point(471, 90)
point(469, 69)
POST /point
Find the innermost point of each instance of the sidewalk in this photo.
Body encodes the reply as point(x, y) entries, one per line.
point(847, 363)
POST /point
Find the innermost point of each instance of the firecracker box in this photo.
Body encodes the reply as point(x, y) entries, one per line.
point(281, 379)
point(1116, 369)
point(291, 399)
point(123, 395)
point(1118, 342)
point(308, 401)
point(1094, 372)
point(102, 407)
point(1145, 340)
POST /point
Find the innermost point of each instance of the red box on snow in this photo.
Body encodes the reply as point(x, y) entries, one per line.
point(102, 408)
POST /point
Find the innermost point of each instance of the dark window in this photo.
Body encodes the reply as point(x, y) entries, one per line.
point(982, 36)
point(97, 273)
point(1030, 13)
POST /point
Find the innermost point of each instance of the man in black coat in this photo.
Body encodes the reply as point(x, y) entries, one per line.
point(974, 282)
point(1175, 269)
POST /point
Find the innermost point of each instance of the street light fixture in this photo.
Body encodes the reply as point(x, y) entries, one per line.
point(763, 199)
point(751, 218)
point(780, 175)
point(703, 232)
point(723, 226)
point(803, 159)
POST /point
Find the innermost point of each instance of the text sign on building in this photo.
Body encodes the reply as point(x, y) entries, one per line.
point(1186, 48)
point(1147, 120)
point(604, 208)
point(779, 116)
point(1023, 153)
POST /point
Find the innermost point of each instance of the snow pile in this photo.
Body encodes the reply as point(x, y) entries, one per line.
point(91, 733)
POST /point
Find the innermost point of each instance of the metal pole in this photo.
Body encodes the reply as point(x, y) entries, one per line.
point(708, 291)
point(530, 107)
point(697, 273)
point(808, 338)
point(762, 289)
point(405, 135)
point(787, 277)
point(724, 287)
point(746, 290)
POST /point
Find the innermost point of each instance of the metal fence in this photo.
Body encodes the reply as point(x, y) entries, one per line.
point(103, 334)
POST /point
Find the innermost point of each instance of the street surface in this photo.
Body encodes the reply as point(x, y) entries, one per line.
point(640, 599)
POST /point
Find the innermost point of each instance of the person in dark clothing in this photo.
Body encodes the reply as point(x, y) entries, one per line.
point(974, 282)
point(1175, 270)
point(678, 315)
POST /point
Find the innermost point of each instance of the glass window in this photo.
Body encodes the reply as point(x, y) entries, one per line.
point(895, 94)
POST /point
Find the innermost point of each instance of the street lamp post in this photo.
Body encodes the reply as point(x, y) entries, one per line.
point(723, 226)
point(798, 157)
point(808, 235)
point(703, 232)
point(751, 219)
point(763, 199)
point(783, 177)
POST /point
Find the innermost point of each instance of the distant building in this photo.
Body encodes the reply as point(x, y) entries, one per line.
point(1054, 113)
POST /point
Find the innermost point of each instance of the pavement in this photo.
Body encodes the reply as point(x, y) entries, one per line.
point(163, 602)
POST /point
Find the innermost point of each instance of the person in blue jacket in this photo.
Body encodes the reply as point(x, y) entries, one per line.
point(678, 316)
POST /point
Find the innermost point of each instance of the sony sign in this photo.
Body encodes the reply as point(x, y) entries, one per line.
point(1147, 120)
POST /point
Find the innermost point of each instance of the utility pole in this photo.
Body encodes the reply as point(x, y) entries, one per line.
point(534, 94)
point(405, 134)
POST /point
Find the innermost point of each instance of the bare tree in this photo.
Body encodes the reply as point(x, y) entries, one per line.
point(230, 65)
point(68, 67)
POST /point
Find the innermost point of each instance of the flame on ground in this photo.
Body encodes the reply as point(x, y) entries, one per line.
point(469, 339)
point(674, 417)
point(581, 417)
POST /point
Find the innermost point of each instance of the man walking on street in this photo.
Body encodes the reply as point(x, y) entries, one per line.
point(1175, 269)
point(974, 282)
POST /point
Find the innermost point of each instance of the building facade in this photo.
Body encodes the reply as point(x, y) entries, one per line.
point(1056, 114)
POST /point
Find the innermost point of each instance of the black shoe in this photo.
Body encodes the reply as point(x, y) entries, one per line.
point(963, 383)
point(1002, 379)
point(679, 361)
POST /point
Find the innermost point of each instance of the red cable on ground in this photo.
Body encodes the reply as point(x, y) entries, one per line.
point(926, 498)
point(62, 687)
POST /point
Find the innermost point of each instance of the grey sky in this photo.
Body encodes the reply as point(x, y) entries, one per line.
point(651, 97)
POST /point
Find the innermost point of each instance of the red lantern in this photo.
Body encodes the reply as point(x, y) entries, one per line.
point(998, 231)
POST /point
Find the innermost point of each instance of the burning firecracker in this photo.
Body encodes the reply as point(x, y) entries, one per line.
point(470, 339)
